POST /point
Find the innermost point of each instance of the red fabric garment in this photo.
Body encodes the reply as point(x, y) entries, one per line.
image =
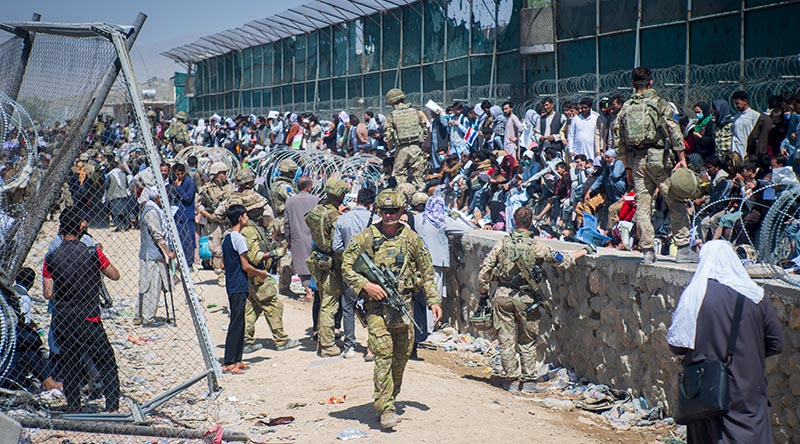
point(628, 209)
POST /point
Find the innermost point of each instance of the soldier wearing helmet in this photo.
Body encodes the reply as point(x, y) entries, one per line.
point(514, 263)
point(406, 129)
point(396, 248)
point(325, 264)
point(213, 198)
point(283, 185)
point(179, 133)
point(262, 252)
point(281, 189)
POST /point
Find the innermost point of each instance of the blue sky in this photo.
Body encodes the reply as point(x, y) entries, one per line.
point(169, 23)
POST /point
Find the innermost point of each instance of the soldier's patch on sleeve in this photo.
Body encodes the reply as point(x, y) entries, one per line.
point(289, 190)
point(558, 256)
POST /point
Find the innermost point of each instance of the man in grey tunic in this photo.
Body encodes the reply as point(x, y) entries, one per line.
point(153, 253)
point(297, 232)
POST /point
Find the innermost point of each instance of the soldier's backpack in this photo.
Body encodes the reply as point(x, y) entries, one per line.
point(316, 219)
point(406, 121)
point(642, 125)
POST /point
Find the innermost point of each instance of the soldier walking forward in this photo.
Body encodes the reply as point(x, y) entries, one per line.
point(395, 248)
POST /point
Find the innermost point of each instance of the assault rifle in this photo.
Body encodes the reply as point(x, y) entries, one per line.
point(533, 276)
point(388, 281)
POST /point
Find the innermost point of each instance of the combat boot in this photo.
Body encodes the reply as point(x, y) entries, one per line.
point(389, 420)
point(328, 352)
point(511, 385)
point(649, 257)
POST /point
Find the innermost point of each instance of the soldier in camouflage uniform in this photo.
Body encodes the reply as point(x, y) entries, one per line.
point(281, 189)
point(262, 251)
point(397, 248)
point(643, 129)
point(325, 264)
point(517, 326)
point(178, 133)
point(406, 129)
point(213, 195)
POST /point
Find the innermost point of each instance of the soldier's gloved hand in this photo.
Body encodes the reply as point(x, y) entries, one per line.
point(590, 248)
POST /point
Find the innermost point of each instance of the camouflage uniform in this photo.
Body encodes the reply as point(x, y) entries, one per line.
point(391, 337)
point(178, 133)
point(326, 265)
point(263, 294)
point(517, 328)
point(281, 189)
point(213, 198)
point(652, 167)
point(405, 131)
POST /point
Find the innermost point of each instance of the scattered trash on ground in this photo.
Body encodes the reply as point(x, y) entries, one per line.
point(348, 434)
point(295, 405)
point(334, 400)
point(561, 387)
point(281, 420)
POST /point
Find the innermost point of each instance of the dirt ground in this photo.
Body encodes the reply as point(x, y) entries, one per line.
point(440, 401)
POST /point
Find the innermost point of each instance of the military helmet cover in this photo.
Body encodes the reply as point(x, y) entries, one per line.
point(181, 115)
point(390, 199)
point(287, 166)
point(394, 95)
point(245, 175)
point(337, 187)
point(217, 167)
point(250, 201)
point(683, 184)
point(418, 198)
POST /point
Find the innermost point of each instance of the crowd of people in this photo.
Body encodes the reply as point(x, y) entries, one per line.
point(635, 174)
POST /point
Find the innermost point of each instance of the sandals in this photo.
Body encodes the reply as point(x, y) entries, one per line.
point(242, 366)
point(232, 369)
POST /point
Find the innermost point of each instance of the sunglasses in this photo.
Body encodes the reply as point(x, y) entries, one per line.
point(390, 210)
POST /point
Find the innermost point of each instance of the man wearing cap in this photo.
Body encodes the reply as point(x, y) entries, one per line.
point(262, 251)
point(154, 252)
point(609, 187)
point(325, 264)
point(212, 196)
point(281, 189)
point(405, 130)
point(394, 247)
point(645, 128)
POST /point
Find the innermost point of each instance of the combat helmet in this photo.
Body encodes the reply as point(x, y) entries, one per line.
point(394, 95)
point(390, 199)
point(217, 167)
point(336, 187)
point(244, 176)
point(683, 184)
point(180, 116)
point(418, 198)
point(287, 166)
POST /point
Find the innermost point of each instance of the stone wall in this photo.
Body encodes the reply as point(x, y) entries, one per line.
point(610, 316)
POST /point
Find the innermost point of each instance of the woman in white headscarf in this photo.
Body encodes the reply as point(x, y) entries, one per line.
point(529, 124)
point(699, 331)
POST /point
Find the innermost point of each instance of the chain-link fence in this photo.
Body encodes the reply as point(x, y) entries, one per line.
point(103, 324)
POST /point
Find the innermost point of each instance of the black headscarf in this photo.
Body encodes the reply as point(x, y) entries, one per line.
point(723, 112)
